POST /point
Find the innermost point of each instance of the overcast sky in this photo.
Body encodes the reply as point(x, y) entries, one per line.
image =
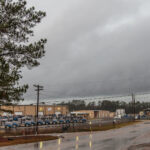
point(95, 47)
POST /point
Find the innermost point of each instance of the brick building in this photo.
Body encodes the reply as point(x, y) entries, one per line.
point(94, 114)
point(31, 110)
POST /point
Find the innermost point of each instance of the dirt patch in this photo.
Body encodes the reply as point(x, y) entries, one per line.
point(6, 141)
point(28, 131)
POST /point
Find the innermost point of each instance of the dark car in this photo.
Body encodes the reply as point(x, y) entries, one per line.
point(47, 122)
point(83, 120)
point(40, 122)
point(61, 121)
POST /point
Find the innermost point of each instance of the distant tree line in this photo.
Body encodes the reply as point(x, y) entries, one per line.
point(106, 105)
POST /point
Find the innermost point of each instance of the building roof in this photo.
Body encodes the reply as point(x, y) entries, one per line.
point(80, 113)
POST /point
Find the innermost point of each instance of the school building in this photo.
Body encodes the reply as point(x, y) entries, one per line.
point(30, 110)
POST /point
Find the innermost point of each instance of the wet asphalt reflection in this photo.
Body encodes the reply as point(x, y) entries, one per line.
point(117, 139)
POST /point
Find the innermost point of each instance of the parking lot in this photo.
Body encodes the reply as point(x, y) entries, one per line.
point(29, 121)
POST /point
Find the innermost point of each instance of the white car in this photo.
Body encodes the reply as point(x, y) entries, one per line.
point(117, 117)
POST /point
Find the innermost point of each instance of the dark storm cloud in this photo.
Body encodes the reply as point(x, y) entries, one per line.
point(94, 47)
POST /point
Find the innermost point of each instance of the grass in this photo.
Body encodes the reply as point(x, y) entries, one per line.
point(107, 127)
point(25, 139)
point(82, 128)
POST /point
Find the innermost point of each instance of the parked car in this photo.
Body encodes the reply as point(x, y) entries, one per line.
point(9, 125)
point(12, 124)
point(83, 120)
point(41, 122)
point(47, 122)
point(137, 117)
point(4, 118)
point(74, 120)
point(15, 118)
point(67, 120)
point(33, 123)
point(16, 124)
point(61, 121)
point(143, 117)
point(117, 117)
point(54, 121)
point(27, 123)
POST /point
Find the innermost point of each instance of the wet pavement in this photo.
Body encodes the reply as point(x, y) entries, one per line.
point(127, 138)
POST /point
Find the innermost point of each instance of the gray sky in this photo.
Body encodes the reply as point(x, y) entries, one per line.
point(95, 47)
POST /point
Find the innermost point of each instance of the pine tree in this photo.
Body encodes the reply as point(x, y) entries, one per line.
point(16, 27)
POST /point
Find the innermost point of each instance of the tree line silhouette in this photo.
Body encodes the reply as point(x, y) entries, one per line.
point(106, 105)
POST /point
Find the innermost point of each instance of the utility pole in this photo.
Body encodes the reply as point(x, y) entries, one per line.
point(38, 89)
point(133, 104)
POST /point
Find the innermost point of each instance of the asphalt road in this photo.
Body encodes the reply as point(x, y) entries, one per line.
point(127, 138)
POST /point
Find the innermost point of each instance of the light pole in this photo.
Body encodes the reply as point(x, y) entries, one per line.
point(133, 104)
point(0, 107)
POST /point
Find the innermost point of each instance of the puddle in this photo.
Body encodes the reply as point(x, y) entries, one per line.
point(107, 140)
point(133, 131)
point(145, 146)
point(146, 122)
